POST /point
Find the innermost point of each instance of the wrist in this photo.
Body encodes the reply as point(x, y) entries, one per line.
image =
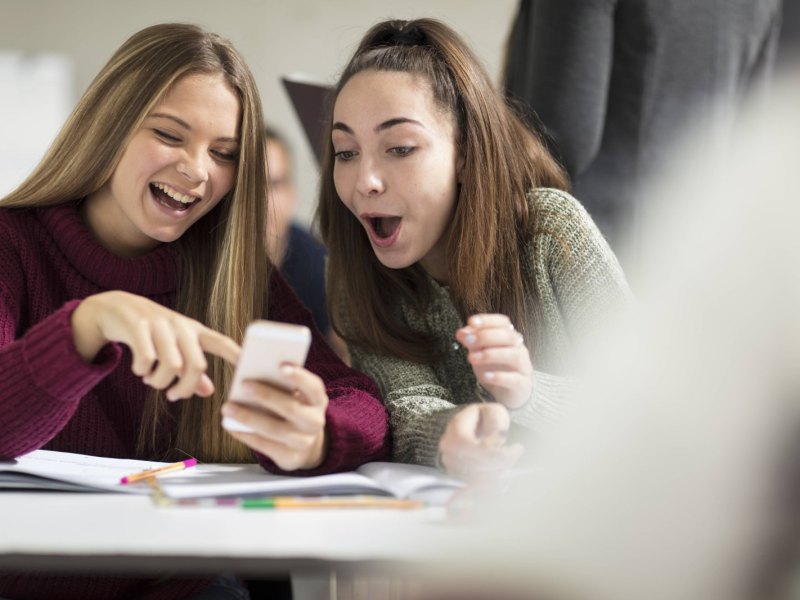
point(86, 335)
point(318, 451)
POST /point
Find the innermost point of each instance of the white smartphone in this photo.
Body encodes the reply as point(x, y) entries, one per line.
point(267, 345)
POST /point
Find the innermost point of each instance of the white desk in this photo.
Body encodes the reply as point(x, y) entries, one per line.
point(96, 533)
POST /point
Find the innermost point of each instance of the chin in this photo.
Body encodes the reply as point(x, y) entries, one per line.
point(166, 237)
point(395, 263)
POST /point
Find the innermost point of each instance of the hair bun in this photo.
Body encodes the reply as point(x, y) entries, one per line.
point(404, 33)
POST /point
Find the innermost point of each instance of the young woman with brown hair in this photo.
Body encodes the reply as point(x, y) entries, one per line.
point(131, 261)
point(455, 253)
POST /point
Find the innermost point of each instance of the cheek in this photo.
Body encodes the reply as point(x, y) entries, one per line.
point(225, 178)
point(341, 186)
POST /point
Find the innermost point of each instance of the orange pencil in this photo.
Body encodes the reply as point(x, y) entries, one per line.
point(146, 474)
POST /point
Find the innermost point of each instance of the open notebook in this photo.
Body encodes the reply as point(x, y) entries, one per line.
point(64, 471)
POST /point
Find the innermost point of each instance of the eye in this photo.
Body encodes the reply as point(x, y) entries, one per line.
point(168, 137)
point(345, 155)
point(402, 150)
point(226, 156)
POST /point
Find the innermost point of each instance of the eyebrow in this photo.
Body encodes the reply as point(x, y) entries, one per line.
point(339, 126)
point(188, 127)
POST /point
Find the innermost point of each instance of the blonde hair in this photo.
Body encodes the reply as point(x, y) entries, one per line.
point(223, 264)
point(503, 161)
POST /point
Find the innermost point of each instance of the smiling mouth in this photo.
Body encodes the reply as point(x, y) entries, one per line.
point(171, 198)
point(384, 227)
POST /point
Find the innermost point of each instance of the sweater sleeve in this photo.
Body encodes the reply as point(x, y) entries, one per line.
point(581, 274)
point(550, 395)
point(357, 425)
point(419, 406)
point(42, 376)
point(581, 285)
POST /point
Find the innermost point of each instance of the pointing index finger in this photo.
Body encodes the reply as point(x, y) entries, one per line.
point(219, 345)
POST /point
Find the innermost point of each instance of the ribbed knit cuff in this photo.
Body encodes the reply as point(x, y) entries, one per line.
point(354, 438)
point(52, 362)
point(550, 397)
point(417, 433)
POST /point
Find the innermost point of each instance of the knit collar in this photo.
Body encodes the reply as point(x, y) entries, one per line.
point(149, 274)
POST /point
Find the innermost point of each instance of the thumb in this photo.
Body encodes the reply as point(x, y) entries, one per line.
point(493, 424)
point(466, 423)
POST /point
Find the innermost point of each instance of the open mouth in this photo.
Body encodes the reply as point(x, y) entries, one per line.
point(384, 227)
point(172, 198)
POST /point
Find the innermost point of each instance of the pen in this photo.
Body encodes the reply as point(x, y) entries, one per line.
point(147, 473)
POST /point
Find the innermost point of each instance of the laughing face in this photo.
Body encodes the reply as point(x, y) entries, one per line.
point(177, 167)
point(397, 167)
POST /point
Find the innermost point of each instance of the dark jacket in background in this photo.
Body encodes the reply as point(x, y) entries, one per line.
point(613, 83)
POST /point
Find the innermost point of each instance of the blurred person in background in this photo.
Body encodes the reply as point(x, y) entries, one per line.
point(614, 82)
point(789, 42)
point(299, 256)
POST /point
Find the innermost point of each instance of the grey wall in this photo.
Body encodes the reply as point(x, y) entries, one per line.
point(276, 37)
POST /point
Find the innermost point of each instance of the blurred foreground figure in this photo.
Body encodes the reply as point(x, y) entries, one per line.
point(675, 478)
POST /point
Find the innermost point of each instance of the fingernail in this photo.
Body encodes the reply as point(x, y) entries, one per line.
point(470, 339)
point(171, 396)
point(489, 375)
point(287, 370)
point(477, 321)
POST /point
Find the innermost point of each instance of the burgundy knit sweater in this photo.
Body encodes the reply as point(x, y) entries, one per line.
point(49, 398)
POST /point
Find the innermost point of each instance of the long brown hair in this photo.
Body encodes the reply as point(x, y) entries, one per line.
point(503, 160)
point(223, 263)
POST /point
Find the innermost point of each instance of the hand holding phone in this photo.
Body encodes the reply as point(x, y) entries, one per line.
point(267, 345)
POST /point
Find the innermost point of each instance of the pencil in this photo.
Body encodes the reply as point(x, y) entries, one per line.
point(282, 502)
point(146, 474)
point(286, 502)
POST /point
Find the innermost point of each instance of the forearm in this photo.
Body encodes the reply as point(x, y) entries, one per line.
point(419, 407)
point(418, 418)
point(43, 380)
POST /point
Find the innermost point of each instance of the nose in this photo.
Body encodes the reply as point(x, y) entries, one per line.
point(193, 169)
point(370, 181)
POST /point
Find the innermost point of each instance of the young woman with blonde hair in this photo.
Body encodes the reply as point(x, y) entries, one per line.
point(131, 261)
point(457, 261)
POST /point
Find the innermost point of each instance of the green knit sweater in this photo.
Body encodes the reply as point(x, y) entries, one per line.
point(575, 278)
